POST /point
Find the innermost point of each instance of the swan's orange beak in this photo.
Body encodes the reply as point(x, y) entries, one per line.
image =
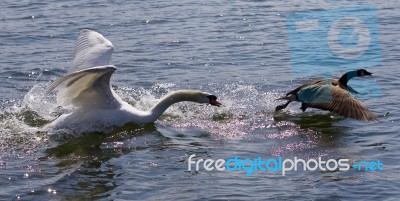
point(215, 103)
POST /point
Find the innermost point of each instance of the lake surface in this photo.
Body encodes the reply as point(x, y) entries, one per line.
point(237, 50)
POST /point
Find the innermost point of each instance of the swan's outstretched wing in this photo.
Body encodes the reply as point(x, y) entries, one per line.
point(87, 83)
point(91, 49)
point(89, 88)
point(335, 99)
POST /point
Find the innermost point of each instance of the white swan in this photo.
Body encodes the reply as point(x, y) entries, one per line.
point(87, 86)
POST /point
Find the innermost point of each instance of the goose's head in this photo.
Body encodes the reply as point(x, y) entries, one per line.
point(203, 97)
point(363, 72)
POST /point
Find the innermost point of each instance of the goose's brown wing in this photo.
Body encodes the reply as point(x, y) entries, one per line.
point(334, 82)
point(295, 91)
point(335, 99)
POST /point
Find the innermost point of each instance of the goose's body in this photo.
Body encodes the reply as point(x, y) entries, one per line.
point(342, 82)
point(332, 95)
point(87, 86)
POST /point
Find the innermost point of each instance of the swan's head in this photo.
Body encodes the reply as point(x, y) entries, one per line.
point(363, 72)
point(213, 100)
point(203, 97)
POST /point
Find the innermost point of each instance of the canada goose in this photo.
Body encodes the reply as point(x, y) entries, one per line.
point(342, 82)
point(87, 86)
point(332, 95)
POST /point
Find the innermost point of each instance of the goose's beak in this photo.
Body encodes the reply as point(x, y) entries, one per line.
point(367, 73)
point(215, 102)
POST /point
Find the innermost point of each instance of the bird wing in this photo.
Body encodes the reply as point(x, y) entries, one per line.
point(89, 88)
point(335, 99)
point(316, 82)
point(87, 83)
point(91, 49)
point(333, 82)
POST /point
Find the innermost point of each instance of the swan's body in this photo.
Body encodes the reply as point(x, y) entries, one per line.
point(332, 95)
point(87, 86)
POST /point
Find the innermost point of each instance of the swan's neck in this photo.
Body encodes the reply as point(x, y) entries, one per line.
point(346, 77)
point(168, 100)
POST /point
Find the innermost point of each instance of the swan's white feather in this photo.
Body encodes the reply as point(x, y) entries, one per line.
point(87, 82)
point(91, 49)
point(89, 88)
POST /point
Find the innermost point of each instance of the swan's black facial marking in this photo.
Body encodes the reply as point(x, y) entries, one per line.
point(212, 97)
point(213, 100)
point(363, 72)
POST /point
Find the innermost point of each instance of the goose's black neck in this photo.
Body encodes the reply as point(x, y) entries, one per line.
point(346, 77)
